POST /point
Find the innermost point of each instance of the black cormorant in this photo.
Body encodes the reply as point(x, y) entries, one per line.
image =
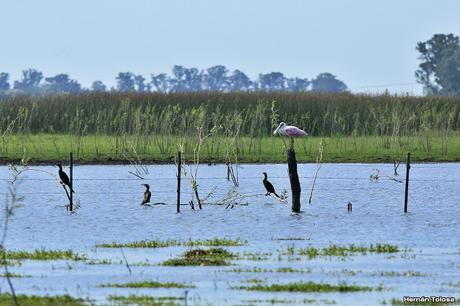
point(268, 186)
point(147, 194)
point(64, 178)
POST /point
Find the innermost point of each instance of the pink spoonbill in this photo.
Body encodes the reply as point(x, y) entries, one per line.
point(289, 130)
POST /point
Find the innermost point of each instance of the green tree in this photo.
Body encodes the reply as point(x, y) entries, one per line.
point(327, 82)
point(437, 55)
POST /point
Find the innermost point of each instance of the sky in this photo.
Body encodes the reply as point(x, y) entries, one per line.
point(370, 45)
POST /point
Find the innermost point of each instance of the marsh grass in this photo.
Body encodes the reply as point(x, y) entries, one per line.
point(144, 300)
point(168, 243)
point(149, 284)
point(201, 257)
point(306, 287)
point(34, 300)
point(335, 250)
point(43, 254)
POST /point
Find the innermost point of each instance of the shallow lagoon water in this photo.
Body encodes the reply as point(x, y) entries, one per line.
point(109, 211)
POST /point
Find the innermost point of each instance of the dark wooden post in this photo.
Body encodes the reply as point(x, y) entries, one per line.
point(294, 178)
point(406, 192)
point(228, 171)
point(71, 182)
point(179, 163)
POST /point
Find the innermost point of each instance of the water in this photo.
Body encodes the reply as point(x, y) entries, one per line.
point(109, 198)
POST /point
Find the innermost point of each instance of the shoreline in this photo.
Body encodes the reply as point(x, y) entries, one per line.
point(109, 162)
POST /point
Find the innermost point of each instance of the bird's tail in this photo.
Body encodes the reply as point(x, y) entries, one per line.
point(277, 195)
point(73, 191)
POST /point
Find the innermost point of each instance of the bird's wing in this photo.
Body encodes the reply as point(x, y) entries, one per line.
point(294, 131)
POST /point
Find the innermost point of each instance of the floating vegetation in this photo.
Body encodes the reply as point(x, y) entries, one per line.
point(149, 284)
point(290, 238)
point(200, 257)
point(306, 287)
point(335, 250)
point(215, 242)
point(168, 243)
point(43, 254)
point(257, 256)
point(141, 244)
point(14, 275)
point(98, 262)
point(33, 300)
point(400, 274)
point(291, 270)
point(142, 300)
point(251, 270)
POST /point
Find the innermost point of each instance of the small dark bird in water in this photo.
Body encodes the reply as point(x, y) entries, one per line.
point(268, 186)
point(350, 207)
point(147, 194)
point(64, 178)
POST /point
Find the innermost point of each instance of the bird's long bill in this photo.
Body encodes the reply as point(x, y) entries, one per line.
point(276, 131)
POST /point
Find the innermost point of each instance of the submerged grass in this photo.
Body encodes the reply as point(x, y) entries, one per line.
point(144, 300)
point(33, 300)
point(306, 287)
point(336, 250)
point(167, 243)
point(42, 254)
point(149, 284)
point(14, 275)
point(200, 257)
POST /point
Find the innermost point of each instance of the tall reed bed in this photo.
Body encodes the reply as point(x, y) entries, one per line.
point(237, 124)
point(144, 114)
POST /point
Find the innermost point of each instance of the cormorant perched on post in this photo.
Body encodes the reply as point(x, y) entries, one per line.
point(64, 178)
point(268, 186)
point(147, 194)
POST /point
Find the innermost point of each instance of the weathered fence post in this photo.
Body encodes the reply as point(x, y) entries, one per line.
point(179, 163)
point(71, 182)
point(294, 178)
point(228, 171)
point(406, 192)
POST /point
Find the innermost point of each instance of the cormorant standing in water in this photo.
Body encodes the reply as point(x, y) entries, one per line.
point(64, 178)
point(268, 186)
point(147, 194)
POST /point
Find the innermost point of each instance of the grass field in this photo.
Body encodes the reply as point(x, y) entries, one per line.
point(47, 148)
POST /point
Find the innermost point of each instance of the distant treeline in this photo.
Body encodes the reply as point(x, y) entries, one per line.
point(182, 79)
point(250, 114)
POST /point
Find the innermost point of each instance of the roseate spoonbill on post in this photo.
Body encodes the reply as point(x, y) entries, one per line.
point(289, 131)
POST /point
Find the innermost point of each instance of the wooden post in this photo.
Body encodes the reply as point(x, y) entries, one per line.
point(406, 192)
point(294, 178)
point(179, 163)
point(228, 171)
point(71, 182)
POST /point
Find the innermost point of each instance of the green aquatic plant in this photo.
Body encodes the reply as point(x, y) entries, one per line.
point(336, 250)
point(168, 243)
point(306, 287)
point(34, 300)
point(145, 300)
point(149, 284)
point(43, 254)
point(200, 257)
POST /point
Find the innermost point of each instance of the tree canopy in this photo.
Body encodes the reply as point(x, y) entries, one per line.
point(439, 71)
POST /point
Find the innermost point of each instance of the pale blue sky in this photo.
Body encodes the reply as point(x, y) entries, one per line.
point(363, 42)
